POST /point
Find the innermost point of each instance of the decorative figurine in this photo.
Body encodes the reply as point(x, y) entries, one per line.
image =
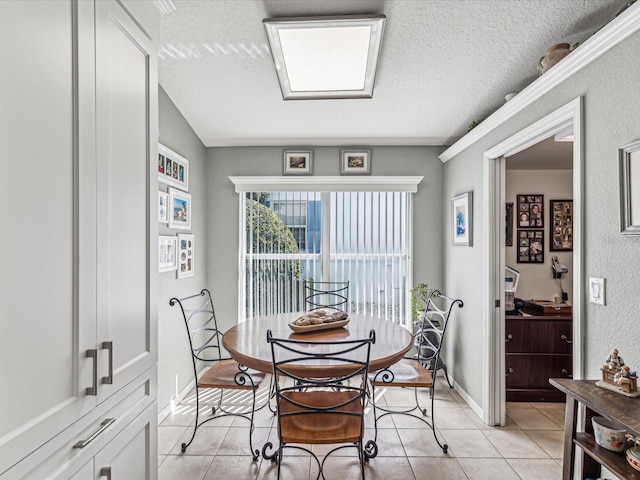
point(617, 376)
point(625, 372)
point(614, 361)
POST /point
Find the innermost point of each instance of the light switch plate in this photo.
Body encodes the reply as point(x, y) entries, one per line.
point(596, 290)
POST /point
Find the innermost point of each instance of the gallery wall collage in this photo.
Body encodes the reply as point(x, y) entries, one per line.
point(530, 236)
point(175, 252)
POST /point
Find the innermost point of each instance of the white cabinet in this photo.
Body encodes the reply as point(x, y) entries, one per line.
point(126, 77)
point(79, 133)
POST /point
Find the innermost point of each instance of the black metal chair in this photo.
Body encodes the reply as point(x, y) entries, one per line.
point(225, 373)
point(326, 410)
point(334, 295)
point(419, 371)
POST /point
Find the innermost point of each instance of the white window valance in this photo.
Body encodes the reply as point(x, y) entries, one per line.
point(327, 184)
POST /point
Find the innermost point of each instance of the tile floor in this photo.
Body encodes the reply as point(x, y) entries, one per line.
point(528, 447)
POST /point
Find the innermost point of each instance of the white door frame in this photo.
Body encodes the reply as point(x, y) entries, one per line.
point(494, 404)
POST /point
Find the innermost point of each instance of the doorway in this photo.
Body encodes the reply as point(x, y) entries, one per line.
point(567, 117)
point(539, 263)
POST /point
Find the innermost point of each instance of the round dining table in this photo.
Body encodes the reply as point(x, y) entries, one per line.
point(247, 342)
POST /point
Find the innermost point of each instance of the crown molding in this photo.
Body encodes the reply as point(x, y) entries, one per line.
point(621, 27)
point(326, 184)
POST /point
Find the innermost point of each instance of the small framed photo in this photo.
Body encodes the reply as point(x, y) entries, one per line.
point(462, 219)
point(561, 237)
point(530, 246)
point(297, 162)
point(173, 169)
point(167, 253)
point(163, 202)
point(530, 211)
point(355, 161)
point(186, 255)
point(179, 209)
point(509, 225)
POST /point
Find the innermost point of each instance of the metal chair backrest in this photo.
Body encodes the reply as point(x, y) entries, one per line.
point(431, 328)
point(293, 358)
point(334, 295)
point(202, 327)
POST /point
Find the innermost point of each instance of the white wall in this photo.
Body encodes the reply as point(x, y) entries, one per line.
point(609, 86)
point(175, 370)
point(536, 280)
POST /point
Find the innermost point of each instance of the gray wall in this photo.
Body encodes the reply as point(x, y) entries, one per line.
point(223, 221)
point(215, 224)
point(175, 370)
point(609, 86)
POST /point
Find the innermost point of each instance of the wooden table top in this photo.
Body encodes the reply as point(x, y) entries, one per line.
point(609, 404)
point(247, 341)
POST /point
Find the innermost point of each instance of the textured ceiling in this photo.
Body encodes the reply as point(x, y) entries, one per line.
point(443, 64)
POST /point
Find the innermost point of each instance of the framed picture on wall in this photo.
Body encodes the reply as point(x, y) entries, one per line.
point(561, 237)
point(167, 254)
point(355, 161)
point(509, 225)
point(530, 211)
point(186, 255)
point(530, 246)
point(298, 162)
point(179, 209)
point(462, 219)
point(173, 169)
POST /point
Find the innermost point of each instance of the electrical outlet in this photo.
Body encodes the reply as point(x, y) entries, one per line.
point(596, 290)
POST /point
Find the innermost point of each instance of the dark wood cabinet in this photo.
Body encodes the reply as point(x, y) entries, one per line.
point(537, 348)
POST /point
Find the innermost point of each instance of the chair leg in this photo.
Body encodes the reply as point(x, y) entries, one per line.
point(361, 456)
point(370, 449)
point(254, 453)
point(418, 406)
point(219, 407)
point(442, 445)
point(446, 376)
point(185, 445)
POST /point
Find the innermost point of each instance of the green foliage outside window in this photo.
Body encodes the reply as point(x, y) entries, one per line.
point(269, 234)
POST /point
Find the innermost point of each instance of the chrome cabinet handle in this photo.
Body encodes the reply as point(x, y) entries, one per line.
point(509, 337)
point(103, 426)
point(509, 371)
point(565, 338)
point(566, 373)
point(106, 472)
point(93, 390)
point(109, 378)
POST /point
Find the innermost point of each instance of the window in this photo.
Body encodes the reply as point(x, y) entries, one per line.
point(363, 237)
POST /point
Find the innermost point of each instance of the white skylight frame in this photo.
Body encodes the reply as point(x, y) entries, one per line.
point(363, 34)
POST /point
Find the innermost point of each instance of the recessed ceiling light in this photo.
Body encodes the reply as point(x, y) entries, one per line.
point(326, 57)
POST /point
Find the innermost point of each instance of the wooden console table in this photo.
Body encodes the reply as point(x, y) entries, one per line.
point(597, 401)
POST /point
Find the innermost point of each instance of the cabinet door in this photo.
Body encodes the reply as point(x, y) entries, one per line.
point(126, 95)
point(133, 453)
point(538, 336)
point(47, 248)
point(534, 371)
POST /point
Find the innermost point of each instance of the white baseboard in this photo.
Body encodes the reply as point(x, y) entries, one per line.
point(165, 412)
point(466, 397)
